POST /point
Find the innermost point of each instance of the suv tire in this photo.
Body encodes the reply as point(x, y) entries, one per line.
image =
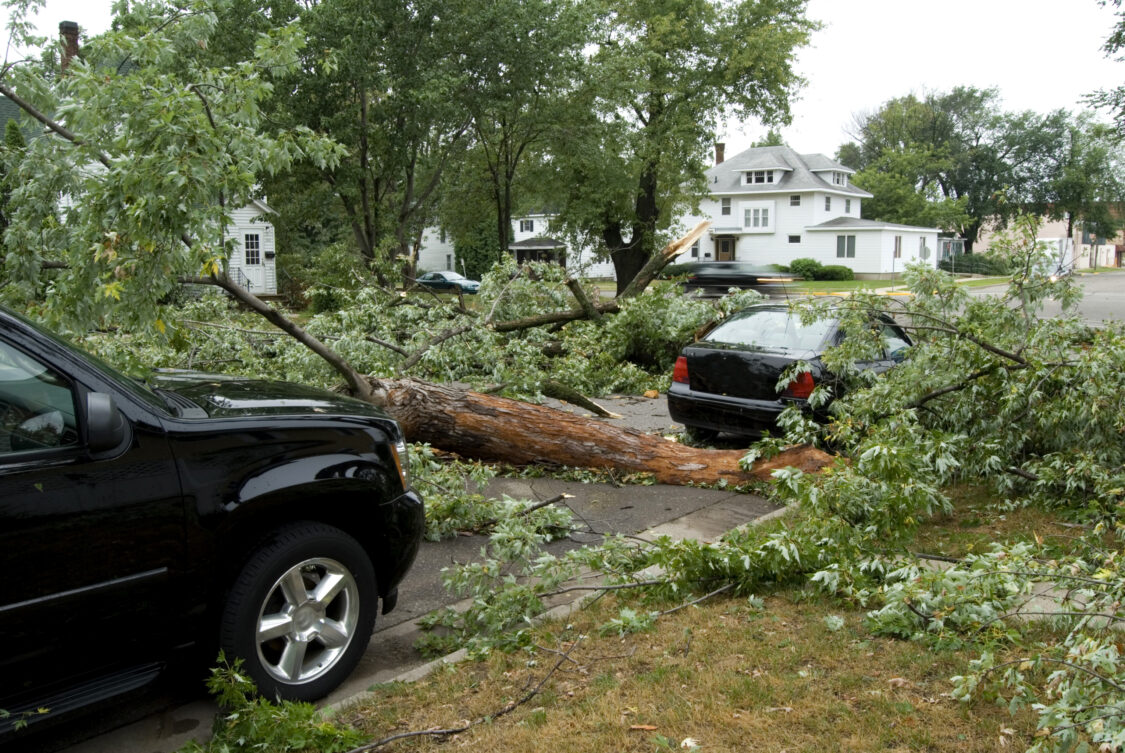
point(301, 612)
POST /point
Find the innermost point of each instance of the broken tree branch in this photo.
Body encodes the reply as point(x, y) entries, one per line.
point(659, 261)
point(507, 709)
point(579, 294)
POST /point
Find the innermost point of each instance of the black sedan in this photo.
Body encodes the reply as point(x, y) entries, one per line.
point(449, 282)
point(727, 381)
point(715, 278)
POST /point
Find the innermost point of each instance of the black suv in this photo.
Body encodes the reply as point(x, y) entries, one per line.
point(195, 511)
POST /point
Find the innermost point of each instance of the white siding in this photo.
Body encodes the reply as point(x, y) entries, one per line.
point(874, 246)
point(436, 252)
point(260, 279)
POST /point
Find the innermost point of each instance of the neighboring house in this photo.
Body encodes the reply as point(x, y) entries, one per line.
point(771, 205)
point(1081, 251)
point(254, 264)
point(530, 241)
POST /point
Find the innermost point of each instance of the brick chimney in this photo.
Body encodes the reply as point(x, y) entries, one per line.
point(720, 152)
point(68, 30)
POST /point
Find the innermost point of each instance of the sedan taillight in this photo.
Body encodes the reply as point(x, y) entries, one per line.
point(679, 371)
point(801, 387)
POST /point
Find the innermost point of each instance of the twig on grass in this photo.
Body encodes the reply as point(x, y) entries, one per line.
point(716, 592)
point(507, 709)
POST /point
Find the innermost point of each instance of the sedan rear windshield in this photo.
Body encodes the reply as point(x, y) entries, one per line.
point(772, 329)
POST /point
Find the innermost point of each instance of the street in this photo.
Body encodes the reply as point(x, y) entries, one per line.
point(1103, 296)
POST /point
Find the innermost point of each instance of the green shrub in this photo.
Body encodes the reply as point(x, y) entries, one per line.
point(323, 299)
point(807, 268)
point(836, 272)
point(675, 270)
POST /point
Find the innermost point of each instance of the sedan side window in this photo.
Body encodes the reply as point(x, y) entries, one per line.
point(895, 343)
point(36, 405)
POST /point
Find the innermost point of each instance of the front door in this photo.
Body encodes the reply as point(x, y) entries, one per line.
point(724, 249)
point(252, 263)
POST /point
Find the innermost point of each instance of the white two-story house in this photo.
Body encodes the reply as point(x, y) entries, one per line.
point(771, 205)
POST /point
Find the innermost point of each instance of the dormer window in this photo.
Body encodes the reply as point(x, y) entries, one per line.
point(758, 176)
point(840, 179)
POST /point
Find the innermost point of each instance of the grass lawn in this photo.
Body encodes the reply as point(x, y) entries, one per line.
point(829, 287)
point(795, 672)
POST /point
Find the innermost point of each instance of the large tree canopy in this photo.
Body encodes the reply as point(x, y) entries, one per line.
point(954, 159)
point(148, 146)
point(1083, 183)
point(660, 76)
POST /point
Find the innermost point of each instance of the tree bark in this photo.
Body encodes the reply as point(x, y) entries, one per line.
point(487, 427)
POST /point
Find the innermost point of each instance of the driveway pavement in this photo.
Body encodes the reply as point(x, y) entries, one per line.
point(601, 508)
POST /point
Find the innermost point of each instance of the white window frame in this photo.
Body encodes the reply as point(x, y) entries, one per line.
point(845, 246)
point(840, 179)
point(724, 207)
point(794, 239)
point(847, 206)
point(827, 203)
point(898, 246)
point(757, 216)
point(252, 249)
point(795, 200)
point(527, 226)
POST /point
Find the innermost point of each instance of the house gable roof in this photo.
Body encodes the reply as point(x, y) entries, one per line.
point(800, 172)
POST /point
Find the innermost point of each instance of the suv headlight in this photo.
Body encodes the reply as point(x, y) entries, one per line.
point(402, 462)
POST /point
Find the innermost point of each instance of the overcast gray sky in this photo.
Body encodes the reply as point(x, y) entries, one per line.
point(1040, 54)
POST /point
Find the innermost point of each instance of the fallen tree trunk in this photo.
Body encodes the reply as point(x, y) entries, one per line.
point(487, 427)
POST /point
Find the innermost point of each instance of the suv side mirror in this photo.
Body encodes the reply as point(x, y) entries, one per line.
point(105, 426)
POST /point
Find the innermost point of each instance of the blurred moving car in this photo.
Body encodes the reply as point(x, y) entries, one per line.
point(449, 282)
point(140, 523)
point(727, 381)
point(716, 278)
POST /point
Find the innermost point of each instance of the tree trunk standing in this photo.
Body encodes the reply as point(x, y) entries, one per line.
point(481, 426)
point(628, 260)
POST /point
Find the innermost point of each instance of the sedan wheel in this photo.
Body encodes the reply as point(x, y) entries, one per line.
point(301, 611)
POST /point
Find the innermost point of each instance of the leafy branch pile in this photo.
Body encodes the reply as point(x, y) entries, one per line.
point(430, 337)
point(993, 394)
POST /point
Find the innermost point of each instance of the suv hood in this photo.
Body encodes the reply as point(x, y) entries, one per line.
point(223, 396)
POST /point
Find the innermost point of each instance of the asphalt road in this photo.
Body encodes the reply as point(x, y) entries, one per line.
point(1103, 297)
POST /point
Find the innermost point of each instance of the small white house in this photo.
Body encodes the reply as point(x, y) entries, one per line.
point(531, 241)
point(253, 263)
point(771, 205)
